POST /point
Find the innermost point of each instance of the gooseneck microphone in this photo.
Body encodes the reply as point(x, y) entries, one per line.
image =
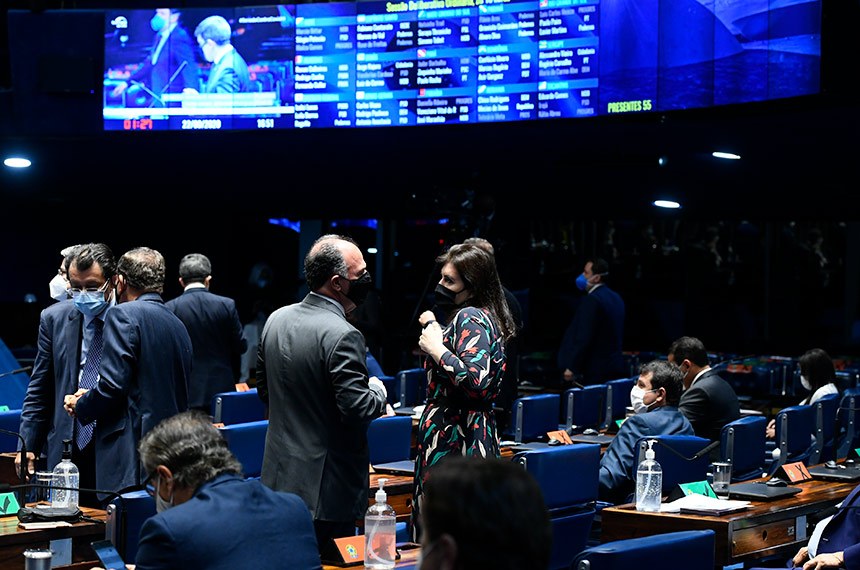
point(16, 371)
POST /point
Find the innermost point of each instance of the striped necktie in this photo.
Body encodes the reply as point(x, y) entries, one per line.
point(89, 379)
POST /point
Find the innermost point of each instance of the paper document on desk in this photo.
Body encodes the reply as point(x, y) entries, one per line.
point(701, 505)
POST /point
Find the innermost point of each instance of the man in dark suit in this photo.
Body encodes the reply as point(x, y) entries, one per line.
point(143, 374)
point(312, 374)
point(709, 402)
point(65, 347)
point(210, 517)
point(590, 351)
point(169, 67)
point(229, 72)
point(216, 332)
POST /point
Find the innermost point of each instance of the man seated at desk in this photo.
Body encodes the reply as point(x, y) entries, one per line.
point(654, 398)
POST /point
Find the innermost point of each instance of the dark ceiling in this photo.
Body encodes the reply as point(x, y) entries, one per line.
point(799, 158)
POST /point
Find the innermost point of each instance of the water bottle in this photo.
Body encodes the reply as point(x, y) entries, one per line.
point(65, 475)
point(649, 482)
point(380, 533)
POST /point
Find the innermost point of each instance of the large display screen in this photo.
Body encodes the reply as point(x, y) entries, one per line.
point(421, 62)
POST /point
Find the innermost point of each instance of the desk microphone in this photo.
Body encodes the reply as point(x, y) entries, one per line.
point(16, 371)
point(149, 92)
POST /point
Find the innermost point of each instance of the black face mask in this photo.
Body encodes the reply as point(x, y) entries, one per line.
point(444, 298)
point(359, 288)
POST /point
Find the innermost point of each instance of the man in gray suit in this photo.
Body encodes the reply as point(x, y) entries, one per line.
point(216, 332)
point(312, 374)
point(143, 372)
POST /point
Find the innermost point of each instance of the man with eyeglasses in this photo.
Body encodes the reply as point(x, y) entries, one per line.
point(68, 356)
point(143, 373)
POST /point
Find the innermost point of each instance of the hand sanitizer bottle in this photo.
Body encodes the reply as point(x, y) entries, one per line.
point(65, 475)
point(649, 482)
point(380, 533)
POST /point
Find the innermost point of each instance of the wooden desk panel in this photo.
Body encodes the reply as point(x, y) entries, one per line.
point(15, 540)
point(766, 529)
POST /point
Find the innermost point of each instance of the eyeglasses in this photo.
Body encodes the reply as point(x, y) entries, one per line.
point(76, 291)
point(150, 488)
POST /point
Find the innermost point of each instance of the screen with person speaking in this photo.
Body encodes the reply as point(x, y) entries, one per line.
point(385, 63)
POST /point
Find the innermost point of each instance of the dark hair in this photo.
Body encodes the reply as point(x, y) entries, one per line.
point(195, 268)
point(667, 376)
point(325, 259)
point(478, 270)
point(85, 255)
point(494, 510)
point(818, 368)
point(599, 266)
point(482, 243)
point(689, 348)
point(143, 268)
point(191, 447)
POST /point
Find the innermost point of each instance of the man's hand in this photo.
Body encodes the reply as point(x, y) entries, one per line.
point(829, 560)
point(374, 381)
point(70, 401)
point(31, 463)
point(119, 89)
point(801, 557)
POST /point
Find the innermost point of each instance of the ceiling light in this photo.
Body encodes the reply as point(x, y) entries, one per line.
point(670, 204)
point(726, 155)
point(17, 162)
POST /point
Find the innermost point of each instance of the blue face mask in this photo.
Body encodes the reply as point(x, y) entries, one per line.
point(581, 282)
point(90, 303)
point(157, 23)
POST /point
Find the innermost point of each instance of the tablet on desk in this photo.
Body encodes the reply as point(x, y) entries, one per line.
point(760, 491)
point(839, 472)
point(599, 438)
point(108, 555)
point(404, 467)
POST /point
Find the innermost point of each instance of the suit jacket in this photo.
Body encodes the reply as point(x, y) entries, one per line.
point(230, 523)
point(618, 463)
point(229, 75)
point(143, 379)
point(312, 374)
point(218, 341)
point(591, 346)
point(55, 374)
point(710, 403)
point(178, 48)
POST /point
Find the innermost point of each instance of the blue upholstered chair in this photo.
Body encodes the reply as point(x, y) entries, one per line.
point(618, 398)
point(826, 429)
point(412, 385)
point(689, 549)
point(247, 441)
point(568, 478)
point(237, 407)
point(743, 444)
point(533, 416)
point(847, 416)
point(390, 382)
point(795, 437)
point(390, 439)
point(584, 407)
point(10, 420)
point(125, 517)
point(673, 453)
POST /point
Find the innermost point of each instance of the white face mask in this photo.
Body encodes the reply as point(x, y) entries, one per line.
point(804, 381)
point(59, 288)
point(636, 396)
point(160, 504)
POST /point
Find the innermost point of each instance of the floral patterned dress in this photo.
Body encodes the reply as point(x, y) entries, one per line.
point(458, 417)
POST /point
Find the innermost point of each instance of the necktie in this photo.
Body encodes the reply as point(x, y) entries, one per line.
point(89, 379)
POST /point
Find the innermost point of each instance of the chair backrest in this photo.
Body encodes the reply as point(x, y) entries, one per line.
point(743, 443)
point(10, 420)
point(412, 386)
point(373, 366)
point(584, 407)
point(826, 430)
point(847, 416)
point(673, 453)
point(533, 416)
point(237, 407)
point(124, 519)
point(568, 478)
point(795, 435)
point(618, 397)
point(694, 547)
point(247, 441)
point(389, 439)
point(13, 388)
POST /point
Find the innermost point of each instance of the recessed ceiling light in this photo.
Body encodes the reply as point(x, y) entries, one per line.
point(726, 155)
point(17, 162)
point(670, 204)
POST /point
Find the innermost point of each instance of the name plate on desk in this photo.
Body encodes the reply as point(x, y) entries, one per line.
point(696, 487)
point(793, 472)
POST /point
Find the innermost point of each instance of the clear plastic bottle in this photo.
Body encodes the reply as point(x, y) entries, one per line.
point(65, 475)
point(649, 482)
point(380, 532)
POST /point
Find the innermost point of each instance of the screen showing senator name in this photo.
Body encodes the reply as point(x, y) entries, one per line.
point(424, 62)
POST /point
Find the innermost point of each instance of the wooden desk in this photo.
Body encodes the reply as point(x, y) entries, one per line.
point(767, 528)
point(15, 540)
point(408, 557)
